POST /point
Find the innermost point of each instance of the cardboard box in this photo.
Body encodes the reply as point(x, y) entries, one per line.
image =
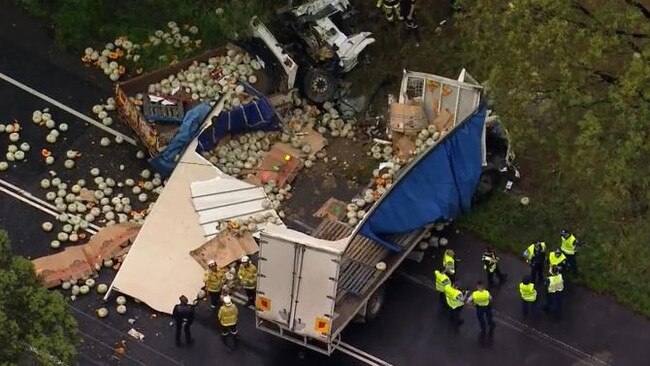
point(407, 118)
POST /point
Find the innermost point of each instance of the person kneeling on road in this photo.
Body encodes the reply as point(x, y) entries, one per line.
point(248, 278)
point(228, 315)
point(455, 301)
point(482, 301)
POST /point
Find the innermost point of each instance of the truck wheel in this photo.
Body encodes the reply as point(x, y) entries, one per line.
point(319, 85)
point(375, 303)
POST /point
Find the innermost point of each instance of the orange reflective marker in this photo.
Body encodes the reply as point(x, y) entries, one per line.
point(322, 325)
point(263, 303)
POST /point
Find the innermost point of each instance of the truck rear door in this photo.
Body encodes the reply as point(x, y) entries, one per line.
point(275, 279)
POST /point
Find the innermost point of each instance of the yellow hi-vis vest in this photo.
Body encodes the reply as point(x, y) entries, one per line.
point(213, 280)
point(530, 252)
point(568, 245)
point(555, 283)
point(442, 280)
point(228, 315)
point(554, 260)
point(452, 295)
point(528, 292)
point(449, 264)
point(248, 275)
point(481, 298)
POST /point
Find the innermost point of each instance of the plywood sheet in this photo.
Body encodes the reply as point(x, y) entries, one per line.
point(227, 247)
point(281, 164)
point(71, 263)
point(159, 267)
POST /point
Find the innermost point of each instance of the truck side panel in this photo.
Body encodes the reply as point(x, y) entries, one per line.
point(275, 279)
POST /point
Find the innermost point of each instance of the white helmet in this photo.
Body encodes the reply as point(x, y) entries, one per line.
point(211, 262)
point(230, 276)
point(227, 300)
point(245, 259)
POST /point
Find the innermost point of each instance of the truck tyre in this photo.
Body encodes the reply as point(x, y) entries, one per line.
point(375, 303)
point(319, 85)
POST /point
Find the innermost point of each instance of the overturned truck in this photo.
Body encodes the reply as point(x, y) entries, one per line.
point(310, 287)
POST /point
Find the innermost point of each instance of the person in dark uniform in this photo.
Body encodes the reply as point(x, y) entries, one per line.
point(407, 11)
point(183, 314)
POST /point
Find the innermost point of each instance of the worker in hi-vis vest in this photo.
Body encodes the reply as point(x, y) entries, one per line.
point(528, 294)
point(554, 293)
point(442, 280)
point(483, 302)
point(455, 301)
point(569, 246)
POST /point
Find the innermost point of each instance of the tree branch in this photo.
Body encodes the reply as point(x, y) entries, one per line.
point(645, 11)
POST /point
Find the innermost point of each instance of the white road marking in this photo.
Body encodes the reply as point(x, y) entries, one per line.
point(540, 336)
point(360, 355)
point(26, 197)
point(56, 103)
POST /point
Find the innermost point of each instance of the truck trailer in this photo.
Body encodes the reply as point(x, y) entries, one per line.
point(310, 287)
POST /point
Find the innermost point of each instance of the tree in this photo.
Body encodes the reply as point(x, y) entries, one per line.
point(31, 317)
point(570, 80)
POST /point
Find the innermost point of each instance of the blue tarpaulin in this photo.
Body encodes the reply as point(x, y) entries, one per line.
point(256, 115)
point(166, 161)
point(438, 187)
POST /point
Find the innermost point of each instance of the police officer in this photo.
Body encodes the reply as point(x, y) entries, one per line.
point(213, 280)
point(491, 266)
point(391, 8)
point(556, 259)
point(554, 291)
point(569, 245)
point(228, 316)
point(528, 295)
point(482, 299)
point(442, 280)
point(449, 263)
point(183, 315)
point(455, 301)
point(407, 11)
point(534, 256)
point(248, 278)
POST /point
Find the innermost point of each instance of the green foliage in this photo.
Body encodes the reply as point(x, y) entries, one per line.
point(571, 81)
point(30, 315)
point(92, 23)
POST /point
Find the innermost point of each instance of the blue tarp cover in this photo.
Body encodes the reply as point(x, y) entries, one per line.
point(256, 115)
point(165, 162)
point(438, 187)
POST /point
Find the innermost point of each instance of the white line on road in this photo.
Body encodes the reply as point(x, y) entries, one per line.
point(360, 355)
point(500, 317)
point(26, 197)
point(75, 113)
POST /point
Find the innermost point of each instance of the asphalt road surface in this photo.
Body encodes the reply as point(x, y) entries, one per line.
point(411, 330)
